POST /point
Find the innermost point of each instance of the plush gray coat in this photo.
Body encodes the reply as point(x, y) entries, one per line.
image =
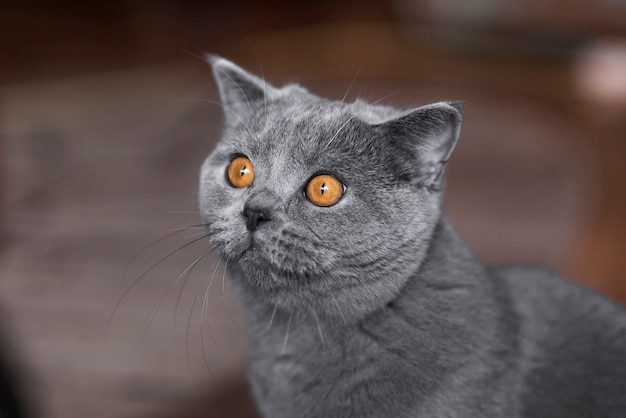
point(374, 306)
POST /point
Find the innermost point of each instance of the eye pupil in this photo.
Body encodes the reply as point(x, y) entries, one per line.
point(244, 171)
point(323, 188)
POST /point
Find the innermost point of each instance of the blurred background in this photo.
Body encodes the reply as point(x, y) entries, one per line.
point(108, 110)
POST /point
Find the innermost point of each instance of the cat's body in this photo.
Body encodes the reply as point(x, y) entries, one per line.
point(374, 306)
point(509, 342)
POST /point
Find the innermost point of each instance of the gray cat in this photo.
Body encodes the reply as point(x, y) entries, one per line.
point(360, 298)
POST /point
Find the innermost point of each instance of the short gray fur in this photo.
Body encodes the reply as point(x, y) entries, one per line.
point(375, 307)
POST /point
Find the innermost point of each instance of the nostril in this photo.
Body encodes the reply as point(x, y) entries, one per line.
point(254, 216)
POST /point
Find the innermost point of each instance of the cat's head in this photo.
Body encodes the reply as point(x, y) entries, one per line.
point(320, 203)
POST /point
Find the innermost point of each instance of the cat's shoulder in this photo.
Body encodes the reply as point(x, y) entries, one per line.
point(573, 344)
point(542, 292)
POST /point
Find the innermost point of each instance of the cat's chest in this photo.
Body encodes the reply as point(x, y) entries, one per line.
point(296, 357)
point(284, 376)
point(296, 369)
point(336, 374)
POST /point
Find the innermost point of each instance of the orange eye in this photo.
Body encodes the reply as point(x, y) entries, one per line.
point(324, 190)
point(241, 172)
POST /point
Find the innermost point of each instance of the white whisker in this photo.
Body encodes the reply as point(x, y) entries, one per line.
point(138, 279)
point(226, 108)
point(243, 93)
point(319, 328)
point(272, 318)
point(262, 75)
point(286, 335)
point(204, 314)
point(223, 279)
point(354, 116)
point(332, 296)
point(180, 292)
point(164, 294)
point(343, 99)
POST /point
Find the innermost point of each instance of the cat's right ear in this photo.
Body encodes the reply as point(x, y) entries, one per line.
point(428, 135)
point(240, 92)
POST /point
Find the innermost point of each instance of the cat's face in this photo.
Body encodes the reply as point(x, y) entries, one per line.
point(342, 244)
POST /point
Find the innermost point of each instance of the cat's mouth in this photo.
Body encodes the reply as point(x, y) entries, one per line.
point(242, 250)
point(275, 265)
point(270, 258)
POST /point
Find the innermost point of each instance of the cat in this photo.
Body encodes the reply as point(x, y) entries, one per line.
point(360, 299)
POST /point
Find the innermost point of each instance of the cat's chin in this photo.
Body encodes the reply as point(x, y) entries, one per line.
point(265, 273)
point(273, 290)
point(261, 281)
point(269, 281)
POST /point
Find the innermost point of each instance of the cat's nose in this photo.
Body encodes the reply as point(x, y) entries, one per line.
point(255, 215)
point(259, 208)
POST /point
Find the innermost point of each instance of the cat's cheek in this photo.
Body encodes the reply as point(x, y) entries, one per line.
point(220, 210)
point(233, 245)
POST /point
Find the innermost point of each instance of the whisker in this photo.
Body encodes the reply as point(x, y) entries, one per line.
point(215, 102)
point(193, 54)
point(188, 327)
point(204, 233)
point(226, 108)
point(272, 318)
point(144, 274)
point(319, 328)
point(207, 294)
point(168, 233)
point(247, 102)
point(294, 234)
point(204, 312)
point(262, 75)
point(232, 320)
point(355, 115)
point(164, 294)
point(286, 335)
point(180, 291)
point(243, 94)
point(223, 279)
point(193, 304)
point(332, 296)
point(343, 99)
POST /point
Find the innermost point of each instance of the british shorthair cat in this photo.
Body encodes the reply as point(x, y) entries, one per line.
point(360, 298)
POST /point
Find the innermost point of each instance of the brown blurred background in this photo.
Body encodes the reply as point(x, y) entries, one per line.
point(107, 114)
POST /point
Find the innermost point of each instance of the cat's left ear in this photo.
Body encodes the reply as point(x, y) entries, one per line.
point(428, 135)
point(240, 91)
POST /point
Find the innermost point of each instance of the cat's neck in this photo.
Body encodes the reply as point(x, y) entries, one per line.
point(449, 263)
point(446, 316)
point(451, 284)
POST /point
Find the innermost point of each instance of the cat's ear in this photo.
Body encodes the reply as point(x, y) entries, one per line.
point(428, 135)
point(240, 92)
